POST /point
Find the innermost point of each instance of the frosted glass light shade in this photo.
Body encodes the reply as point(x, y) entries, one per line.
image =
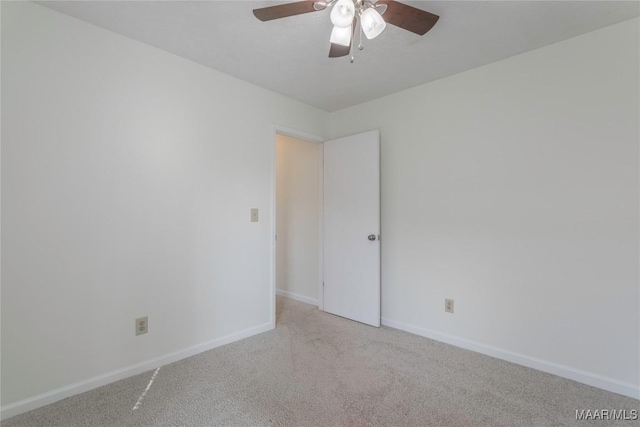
point(372, 23)
point(342, 13)
point(341, 36)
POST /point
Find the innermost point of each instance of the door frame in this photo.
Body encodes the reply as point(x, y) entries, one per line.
point(283, 130)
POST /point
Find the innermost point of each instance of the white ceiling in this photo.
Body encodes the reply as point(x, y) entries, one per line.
point(289, 55)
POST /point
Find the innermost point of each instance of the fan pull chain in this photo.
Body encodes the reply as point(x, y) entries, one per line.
point(360, 45)
point(351, 48)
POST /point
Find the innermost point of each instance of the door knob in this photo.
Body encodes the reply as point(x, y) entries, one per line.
point(372, 237)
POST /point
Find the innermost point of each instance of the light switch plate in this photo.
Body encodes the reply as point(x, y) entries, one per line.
point(254, 215)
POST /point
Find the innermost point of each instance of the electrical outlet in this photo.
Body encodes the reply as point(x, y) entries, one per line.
point(254, 215)
point(142, 325)
point(448, 305)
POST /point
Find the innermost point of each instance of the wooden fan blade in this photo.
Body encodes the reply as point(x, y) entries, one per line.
point(284, 10)
point(408, 17)
point(338, 50)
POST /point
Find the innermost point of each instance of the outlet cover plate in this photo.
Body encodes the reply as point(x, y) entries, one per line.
point(448, 305)
point(142, 325)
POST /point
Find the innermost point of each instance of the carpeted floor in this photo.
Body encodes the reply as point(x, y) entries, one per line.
point(315, 369)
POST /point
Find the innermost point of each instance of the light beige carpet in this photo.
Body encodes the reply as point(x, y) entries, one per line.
point(319, 370)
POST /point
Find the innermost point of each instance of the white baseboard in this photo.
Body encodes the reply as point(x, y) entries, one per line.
point(588, 378)
point(297, 297)
point(52, 396)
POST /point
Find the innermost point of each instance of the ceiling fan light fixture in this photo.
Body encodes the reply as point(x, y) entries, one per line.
point(372, 23)
point(341, 36)
point(347, 14)
point(343, 13)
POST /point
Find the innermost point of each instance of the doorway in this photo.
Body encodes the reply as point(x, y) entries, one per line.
point(297, 219)
point(326, 223)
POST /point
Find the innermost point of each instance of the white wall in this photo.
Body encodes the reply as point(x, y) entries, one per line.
point(513, 189)
point(128, 175)
point(298, 220)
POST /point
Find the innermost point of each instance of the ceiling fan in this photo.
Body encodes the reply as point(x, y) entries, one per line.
point(347, 15)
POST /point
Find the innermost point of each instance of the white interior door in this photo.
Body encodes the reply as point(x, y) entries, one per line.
point(352, 227)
